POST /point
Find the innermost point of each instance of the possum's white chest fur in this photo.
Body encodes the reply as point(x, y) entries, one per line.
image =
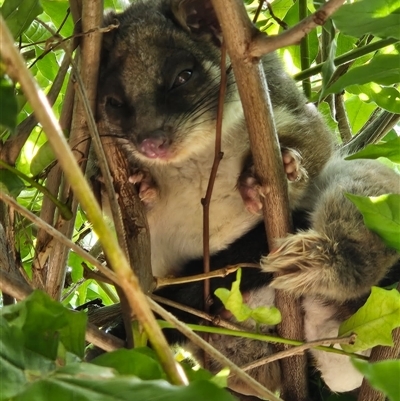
point(176, 221)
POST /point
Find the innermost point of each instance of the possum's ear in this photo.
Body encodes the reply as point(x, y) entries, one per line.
point(196, 16)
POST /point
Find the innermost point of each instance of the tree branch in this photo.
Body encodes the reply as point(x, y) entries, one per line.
point(238, 34)
point(263, 44)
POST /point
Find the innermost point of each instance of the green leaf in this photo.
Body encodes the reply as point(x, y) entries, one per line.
point(19, 14)
point(8, 104)
point(57, 11)
point(10, 183)
point(358, 112)
point(389, 149)
point(374, 321)
point(57, 324)
point(18, 365)
point(131, 362)
point(378, 17)
point(85, 382)
point(42, 159)
point(381, 215)
point(383, 376)
point(387, 98)
point(383, 69)
point(233, 301)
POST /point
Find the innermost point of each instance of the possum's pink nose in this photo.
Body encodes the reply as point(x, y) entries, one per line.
point(154, 148)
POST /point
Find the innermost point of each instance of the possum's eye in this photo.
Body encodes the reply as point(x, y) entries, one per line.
point(181, 78)
point(113, 102)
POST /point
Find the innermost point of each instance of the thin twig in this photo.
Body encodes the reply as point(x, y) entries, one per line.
point(218, 154)
point(223, 272)
point(215, 320)
point(298, 350)
point(59, 236)
point(262, 391)
point(263, 44)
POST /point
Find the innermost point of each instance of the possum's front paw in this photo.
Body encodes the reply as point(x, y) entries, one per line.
point(250, 188)
point(147, 188)
point(304, 265)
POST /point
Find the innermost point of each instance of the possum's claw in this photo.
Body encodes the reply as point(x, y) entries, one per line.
point(147, 188)
point(292, 164)
point(250, 188)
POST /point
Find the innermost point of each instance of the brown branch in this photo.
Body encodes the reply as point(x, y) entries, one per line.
point(90, 55)
point(238, 33)
point(341, 118)
point(263, 44)
point(380, 353)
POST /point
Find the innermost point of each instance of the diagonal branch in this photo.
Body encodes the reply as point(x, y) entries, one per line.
point(263, 44)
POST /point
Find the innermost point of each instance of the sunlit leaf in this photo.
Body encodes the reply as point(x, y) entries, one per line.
point(387, 98)
point(378, 17)
point(374, 321)
point(390, 150)
point(383, 69)
point(233, 301)
point(381, 215)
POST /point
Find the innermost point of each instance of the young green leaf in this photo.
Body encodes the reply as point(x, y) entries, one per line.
point(233, 301)
point(378, 17)
point(381, 215)
point(374, 321)
point(389, 149)
point(384, 376)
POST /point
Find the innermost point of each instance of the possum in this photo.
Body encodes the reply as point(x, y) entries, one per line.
point(158, 96)
point(332, 262)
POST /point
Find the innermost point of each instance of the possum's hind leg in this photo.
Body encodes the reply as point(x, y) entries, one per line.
point(339, 258)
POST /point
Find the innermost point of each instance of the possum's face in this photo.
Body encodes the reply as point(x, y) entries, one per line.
point(158, 86)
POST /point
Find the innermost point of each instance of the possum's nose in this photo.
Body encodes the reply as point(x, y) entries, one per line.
point(155, 145)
